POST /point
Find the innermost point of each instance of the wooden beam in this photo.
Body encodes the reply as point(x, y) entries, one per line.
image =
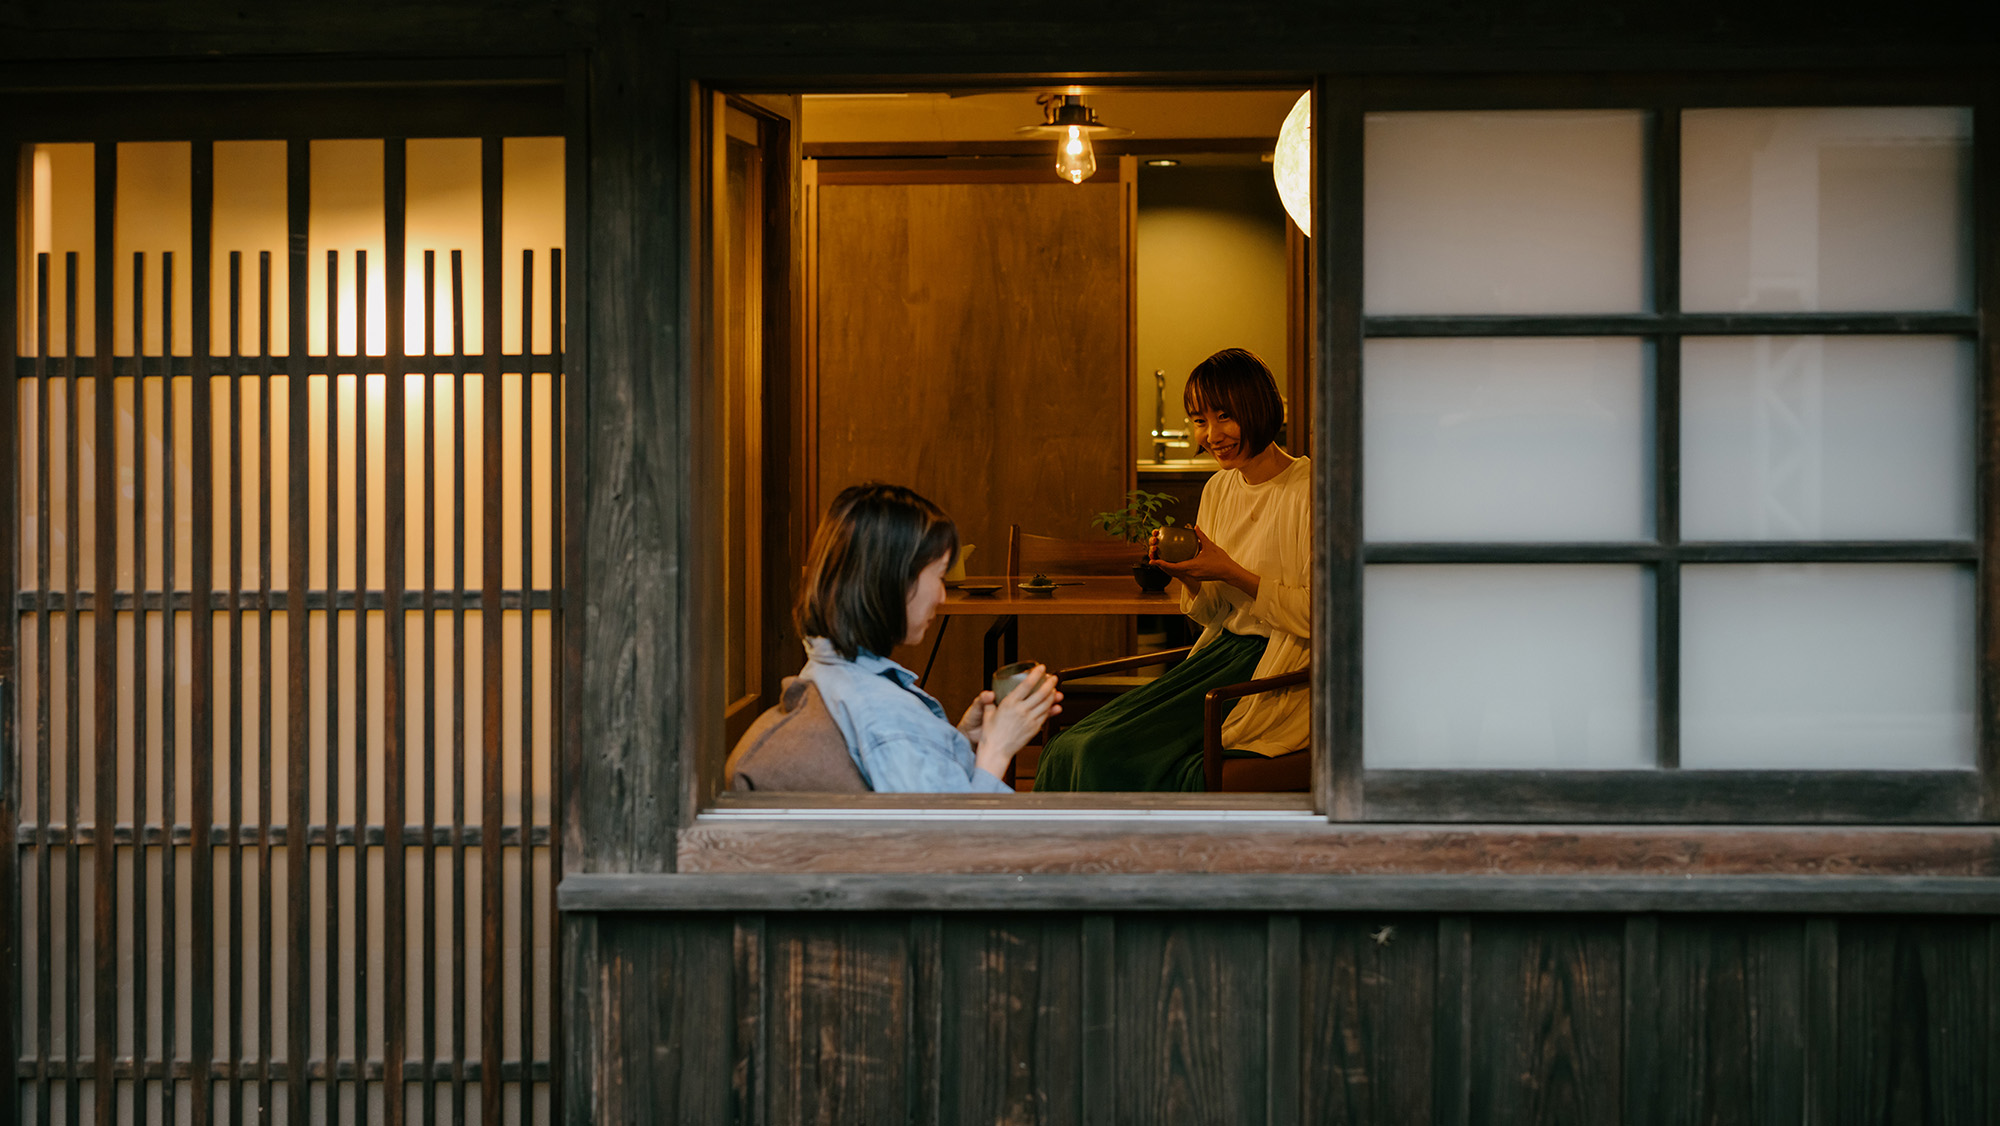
point(609, 893)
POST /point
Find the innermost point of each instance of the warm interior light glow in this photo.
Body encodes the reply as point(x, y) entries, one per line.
point(1075, 161)
point(1291, 166)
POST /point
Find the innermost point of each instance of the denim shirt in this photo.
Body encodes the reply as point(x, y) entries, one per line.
point(897, 733)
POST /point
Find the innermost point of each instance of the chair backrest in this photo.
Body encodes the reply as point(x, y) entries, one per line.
point(795, 745)
point(1028, 553)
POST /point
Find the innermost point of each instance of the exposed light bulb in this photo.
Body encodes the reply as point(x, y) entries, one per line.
point(1075, 160)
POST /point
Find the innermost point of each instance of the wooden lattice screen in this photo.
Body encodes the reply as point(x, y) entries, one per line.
point(286, 638)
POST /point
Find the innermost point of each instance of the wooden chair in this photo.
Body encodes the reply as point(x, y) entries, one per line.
point(1028, 553)
point(1291, 773)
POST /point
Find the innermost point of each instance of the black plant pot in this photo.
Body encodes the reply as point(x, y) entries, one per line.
point(1151, 578)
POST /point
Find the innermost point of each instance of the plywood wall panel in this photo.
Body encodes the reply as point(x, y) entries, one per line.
point(972, 345)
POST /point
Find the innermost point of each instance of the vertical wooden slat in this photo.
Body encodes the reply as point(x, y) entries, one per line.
point(1451, 1072)
point(234, 939)
point(10, 653)
point(1282, 972)
point(201, 1001)
point(457, 686)
point(1337, 191)
point(44, 868)
point(1664, 204)
point(749, 1066)
point(492, 898)
point(364, 934)
point(265, 947)
point(430, 997)
point(10, 457)
point(924, 1019)
point(525, 979)
point(1986, 268)
point(330, 751)
point(169, 704)
point(104, 694)
point(568, 464)
point(559, 632)
point(395, 994)
point(141, 691)
point(298, 634)
point(1099, 956)
point(72, 695)
point(1822, 1009)
point(1643, 1042)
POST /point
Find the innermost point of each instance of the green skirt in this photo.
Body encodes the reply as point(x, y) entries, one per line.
point(1149, 738)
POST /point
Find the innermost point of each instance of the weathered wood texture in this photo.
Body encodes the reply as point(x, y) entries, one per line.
point(747, 845)
point(1399, 1017)
point(629, 462)
point(965, 331)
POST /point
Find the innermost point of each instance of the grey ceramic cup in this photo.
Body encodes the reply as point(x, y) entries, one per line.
point(1007, 677)
point(1178, 545)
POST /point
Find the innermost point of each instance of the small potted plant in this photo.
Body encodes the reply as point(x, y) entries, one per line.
point(1134, 523)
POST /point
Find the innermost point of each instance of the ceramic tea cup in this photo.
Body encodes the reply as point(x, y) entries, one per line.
point(1178, 545)
point(1008, 677)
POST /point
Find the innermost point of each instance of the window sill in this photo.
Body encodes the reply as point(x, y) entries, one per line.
point(890, 843)
point(1401, 894)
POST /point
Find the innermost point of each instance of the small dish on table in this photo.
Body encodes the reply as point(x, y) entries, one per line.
point(978, 590)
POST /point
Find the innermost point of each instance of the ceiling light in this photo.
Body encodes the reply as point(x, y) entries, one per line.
point(1072, 123)
point(1163, 162)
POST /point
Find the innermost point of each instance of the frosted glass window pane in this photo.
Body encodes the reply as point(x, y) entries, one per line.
point(1516, 439)
point(1828, 666)
point(1803, 210)
point(1508, 667)
point(1817, 437)
point(1518, 212)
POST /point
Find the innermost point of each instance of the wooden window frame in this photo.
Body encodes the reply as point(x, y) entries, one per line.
point(1664, 794)
point(1489, 820)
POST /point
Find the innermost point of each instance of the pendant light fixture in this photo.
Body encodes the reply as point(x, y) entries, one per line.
point(1291, 164)
point(1072, 124)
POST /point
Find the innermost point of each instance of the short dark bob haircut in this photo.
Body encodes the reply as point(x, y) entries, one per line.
point(874, 542)
point(1236, 382)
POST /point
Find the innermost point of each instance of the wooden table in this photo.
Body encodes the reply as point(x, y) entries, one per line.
point(1078, 595)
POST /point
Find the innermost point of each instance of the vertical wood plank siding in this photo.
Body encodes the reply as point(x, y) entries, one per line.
point(1392, 1018)
point(221, 925)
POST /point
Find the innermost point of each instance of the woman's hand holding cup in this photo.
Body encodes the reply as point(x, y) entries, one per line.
point(1005, 725)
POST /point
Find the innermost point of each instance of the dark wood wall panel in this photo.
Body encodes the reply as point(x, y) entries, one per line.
point(1191, 1035)
point(1368, 992)
point(1912, 1019)
point(840, 1028)
point(1046, 1017)
point(1728, 1032)
point(1011, 1028)
point(1547, 1020)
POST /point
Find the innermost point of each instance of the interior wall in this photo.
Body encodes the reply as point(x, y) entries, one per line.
point(972, 344)
point(1211, 275)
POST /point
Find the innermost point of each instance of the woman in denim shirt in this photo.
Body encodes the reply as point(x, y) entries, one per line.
point(873, 581)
